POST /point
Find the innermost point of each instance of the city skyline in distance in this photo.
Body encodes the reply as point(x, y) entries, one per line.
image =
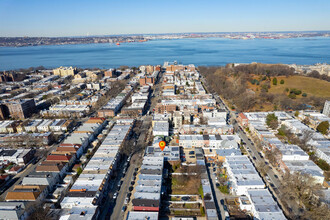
point(37, 18)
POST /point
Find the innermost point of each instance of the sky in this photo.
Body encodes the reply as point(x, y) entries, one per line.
point(55, 18)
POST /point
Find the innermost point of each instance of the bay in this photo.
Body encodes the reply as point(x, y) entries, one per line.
point(199, 51)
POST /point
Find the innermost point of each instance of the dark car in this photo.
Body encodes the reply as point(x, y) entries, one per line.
point(124, 208)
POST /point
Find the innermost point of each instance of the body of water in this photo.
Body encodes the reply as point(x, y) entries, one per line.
point(205, 51)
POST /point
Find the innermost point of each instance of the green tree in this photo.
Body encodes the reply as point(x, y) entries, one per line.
point(202, 210)
point(304, 94)
point(295, 91)
point(272, 121)
point(79, 170)
point(323, 165)
point(292, 96)
point(282, 81)
point(296, 113)
point(282, 130)
point(323, 127)
point(274, 81)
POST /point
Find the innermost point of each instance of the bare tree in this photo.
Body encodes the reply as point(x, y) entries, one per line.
point(305, 138)
point(262, 168)
point(301, 194)
point(273, 155)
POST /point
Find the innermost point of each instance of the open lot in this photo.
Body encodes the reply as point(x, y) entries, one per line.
point(311, 86)
point(185, 185)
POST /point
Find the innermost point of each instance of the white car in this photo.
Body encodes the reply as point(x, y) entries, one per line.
point(126, 201)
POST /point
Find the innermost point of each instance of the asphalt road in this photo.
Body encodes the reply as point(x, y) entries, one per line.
point(112, 209)
point(117, 211)
point(274, 182)
point(254, 153)
point(218, 195)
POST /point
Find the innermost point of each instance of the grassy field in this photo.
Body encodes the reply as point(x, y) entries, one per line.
point(308, 85)
point(311, 86)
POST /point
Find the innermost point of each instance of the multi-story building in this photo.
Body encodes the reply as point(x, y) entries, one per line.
point(177, 119)
point(165, 108)
point(147, 80)
point(11, 77)
point(110, 73)
point(4, 111)
point(22, 109)
point(326, 108)
point(65, 71)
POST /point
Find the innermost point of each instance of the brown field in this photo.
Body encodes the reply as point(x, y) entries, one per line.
point(311, 86)
point(182, 186)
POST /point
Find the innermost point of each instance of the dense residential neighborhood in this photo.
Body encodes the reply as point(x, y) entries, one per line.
point(85, 144)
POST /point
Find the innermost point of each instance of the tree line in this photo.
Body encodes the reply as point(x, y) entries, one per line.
point(231, 83)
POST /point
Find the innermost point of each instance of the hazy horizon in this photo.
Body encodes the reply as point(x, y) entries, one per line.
point(36, 18)
point(169, 33)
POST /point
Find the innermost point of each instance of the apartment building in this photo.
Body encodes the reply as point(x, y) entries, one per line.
point(326, 108)
point(21, 109)
point(164, 108)
point(65, 71)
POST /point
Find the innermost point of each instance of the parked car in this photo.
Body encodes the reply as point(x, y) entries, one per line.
point(126, 201)
point(115, 196)
point(124, 208)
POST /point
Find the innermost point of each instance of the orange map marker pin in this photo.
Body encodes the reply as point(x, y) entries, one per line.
point(162, 145)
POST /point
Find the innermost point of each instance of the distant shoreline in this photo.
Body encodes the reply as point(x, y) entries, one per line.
point(123, 39)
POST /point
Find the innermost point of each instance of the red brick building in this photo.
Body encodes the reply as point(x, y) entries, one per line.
point(243, 120)
point(106, 113)
point(161, 109)
point(146, 80)
point(21, 109)
point(110, 73)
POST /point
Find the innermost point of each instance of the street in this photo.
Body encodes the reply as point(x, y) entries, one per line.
point(112, 208)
